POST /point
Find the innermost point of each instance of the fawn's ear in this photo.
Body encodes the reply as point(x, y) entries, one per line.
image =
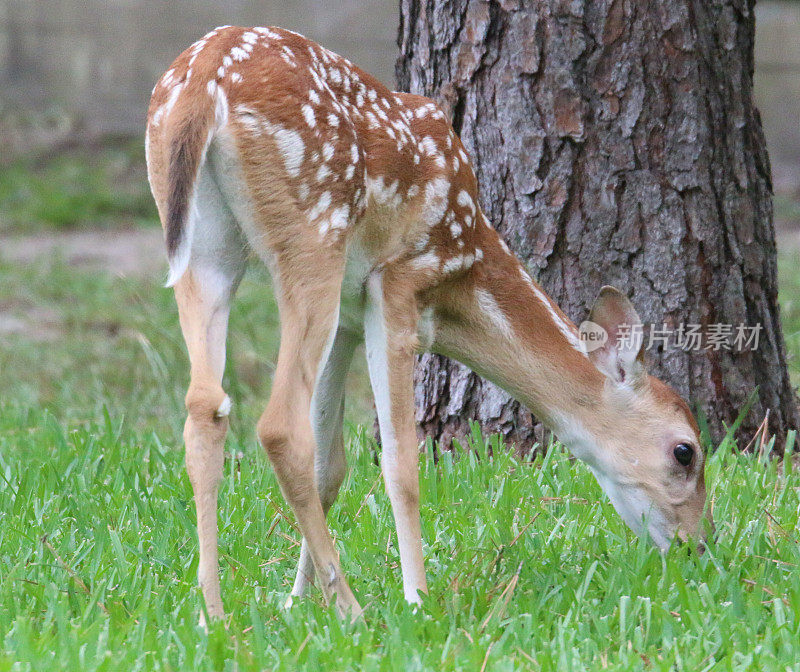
point(621, 358)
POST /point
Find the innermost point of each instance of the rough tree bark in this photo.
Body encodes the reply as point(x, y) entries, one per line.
point(615, 142)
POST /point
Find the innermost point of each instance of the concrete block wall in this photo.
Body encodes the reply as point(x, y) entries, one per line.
point(99, 60)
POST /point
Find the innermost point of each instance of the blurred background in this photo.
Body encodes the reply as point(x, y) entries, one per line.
point(84, 322)
point(98, 61)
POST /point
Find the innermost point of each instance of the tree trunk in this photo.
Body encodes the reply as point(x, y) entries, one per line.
point(615, 143)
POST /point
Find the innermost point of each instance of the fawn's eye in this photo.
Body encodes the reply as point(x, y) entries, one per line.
point(684, 453)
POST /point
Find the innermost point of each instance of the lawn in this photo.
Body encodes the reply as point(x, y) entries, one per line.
point(528, 563)
point(101, 184)
point(529, 566)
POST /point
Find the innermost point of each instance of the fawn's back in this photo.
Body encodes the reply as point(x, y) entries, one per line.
point(327, 153)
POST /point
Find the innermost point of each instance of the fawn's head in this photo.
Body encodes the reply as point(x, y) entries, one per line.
point(645, 448)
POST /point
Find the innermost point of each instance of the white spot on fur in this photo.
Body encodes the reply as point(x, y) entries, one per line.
point(381, 114)
point(339, 217)
point(321, 206)
point(465, 201)
point(494, 314)
point(250, 119)
point(322, 172)
point(568, 330)
point(458, 263)
point(308, 113)
point(166, 80)
point(382, 193)
point(313, 96)
point(267, 33)
point(327, 151)
point(428, 146)
point(221, 109)
point(453, 264)
point(166, 108)
point(238, 54)
point(436, 192)
point(291, 146)
point(428, 261)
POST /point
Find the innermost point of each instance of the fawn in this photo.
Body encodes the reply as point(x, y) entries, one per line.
point(363, 204)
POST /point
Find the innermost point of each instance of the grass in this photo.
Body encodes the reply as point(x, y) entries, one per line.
point(529, 566)
point(102, 185)
point(89, 340)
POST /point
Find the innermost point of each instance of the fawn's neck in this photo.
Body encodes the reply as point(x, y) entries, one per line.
point(506, 328)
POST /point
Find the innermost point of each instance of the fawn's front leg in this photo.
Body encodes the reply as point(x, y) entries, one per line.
point(390, 328)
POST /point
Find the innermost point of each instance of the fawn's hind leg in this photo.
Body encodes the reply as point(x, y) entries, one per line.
point(204, 294)
point(308, 298)
point(330, 464)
